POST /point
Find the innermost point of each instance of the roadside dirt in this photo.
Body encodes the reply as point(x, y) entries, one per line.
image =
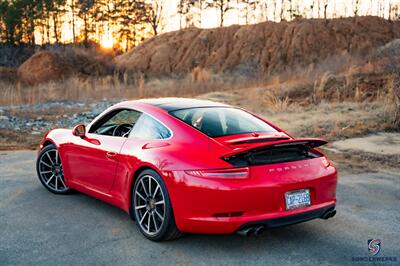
point(380, 143)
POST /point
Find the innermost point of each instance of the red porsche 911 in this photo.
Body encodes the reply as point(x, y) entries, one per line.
point(191, 166)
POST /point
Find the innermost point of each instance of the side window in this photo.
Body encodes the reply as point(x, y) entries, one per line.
point(149, 128)
point(123, 117)
point(116, 123)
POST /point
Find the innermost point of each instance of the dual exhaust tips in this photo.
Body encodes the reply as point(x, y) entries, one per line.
point(250, 231)
point(329, 214)
point(257, 230)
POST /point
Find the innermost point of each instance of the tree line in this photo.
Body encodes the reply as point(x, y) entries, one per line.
point(252, 11)
point(81, 21)
point(131, 21)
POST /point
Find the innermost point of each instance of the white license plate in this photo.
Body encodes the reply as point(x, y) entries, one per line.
point(297, 199)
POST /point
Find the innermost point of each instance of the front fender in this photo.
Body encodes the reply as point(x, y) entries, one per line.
point(56, 137)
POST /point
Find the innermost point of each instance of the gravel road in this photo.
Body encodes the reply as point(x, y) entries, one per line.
point(37, 227)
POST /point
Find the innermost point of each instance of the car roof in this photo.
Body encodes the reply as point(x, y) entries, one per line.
point(172, 104)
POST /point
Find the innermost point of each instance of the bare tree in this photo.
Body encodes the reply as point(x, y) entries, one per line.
point(291, 11)
point(199, 5)
point(274, 12)
point(183, 10)
point(319, 8)
point(312, 6)
point(265, 8)
point(326, 2)
point(72, 7)
point(223, 7)
point(154, 16)
point(85, 12)
point(282, 13)
point(294, 11)
point(356, 7)
point(250, 6)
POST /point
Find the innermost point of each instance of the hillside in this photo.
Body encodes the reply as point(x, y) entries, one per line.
point(266, 48)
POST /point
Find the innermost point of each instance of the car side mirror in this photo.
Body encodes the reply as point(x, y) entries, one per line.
point(79, 130)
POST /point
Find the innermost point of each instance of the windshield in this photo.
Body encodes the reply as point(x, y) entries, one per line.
point(222, 121)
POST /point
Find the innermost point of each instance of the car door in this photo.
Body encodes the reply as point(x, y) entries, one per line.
point(148, 135)
point(92, 161)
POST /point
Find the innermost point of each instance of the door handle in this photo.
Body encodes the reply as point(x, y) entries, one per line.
point(111, 154)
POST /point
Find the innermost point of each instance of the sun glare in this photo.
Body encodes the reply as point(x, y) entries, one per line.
point(107, 42)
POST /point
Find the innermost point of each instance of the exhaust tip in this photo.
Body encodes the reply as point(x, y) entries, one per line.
point(256, 230)
point(259, 230)
point(246, 232)
point(329, 214)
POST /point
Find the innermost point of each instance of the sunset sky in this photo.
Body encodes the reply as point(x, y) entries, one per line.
point(342, 7)
point(210, 17)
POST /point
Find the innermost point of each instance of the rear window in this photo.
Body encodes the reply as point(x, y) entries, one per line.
point(149, 128)
point(222, 121)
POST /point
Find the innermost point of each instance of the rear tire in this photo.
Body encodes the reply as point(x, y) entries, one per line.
point(49, 170)
point(152, 209)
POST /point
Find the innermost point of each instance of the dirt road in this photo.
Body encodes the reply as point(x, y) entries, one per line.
point(38, 227)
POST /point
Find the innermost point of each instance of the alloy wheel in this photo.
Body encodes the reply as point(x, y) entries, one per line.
point(149, 203)
point(51, 172)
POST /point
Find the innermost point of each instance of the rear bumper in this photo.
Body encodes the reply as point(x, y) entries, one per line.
point(291, 219)
point(229, 225)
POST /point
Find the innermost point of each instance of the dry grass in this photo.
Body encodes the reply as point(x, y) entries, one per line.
point(200, 75)
point(119, 86)
point(17, 140)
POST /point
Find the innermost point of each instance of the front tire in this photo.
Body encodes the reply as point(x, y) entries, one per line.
point(49, 170)
point(152, 208)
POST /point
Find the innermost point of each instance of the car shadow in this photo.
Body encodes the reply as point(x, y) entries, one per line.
point(111, 226)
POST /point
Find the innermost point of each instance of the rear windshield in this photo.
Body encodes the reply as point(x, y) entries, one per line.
point(222, 121)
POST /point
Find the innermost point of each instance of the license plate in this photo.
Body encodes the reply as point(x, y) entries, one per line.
point(297, 199)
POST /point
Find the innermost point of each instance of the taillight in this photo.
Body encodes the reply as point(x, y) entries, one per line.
point(233, 173)
point(325, 162)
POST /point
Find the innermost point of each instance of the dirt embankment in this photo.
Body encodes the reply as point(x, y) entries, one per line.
point(265, 48)
point(8, 74)
point(42, 66)
point(56, 64)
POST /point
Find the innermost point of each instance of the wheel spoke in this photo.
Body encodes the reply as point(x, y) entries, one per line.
point(62, 181)
point(154, 221)
point(148, 222)
point(140, 207)
point(48, 180)
point(159, 202)
point(46, 172)
point(41, 161)
point(144, 215)
point(150, 187)
point(48, 156)
point(144, 188)
point(140, 195)
point(159, 215)
point(56, 185)
point(155, 191)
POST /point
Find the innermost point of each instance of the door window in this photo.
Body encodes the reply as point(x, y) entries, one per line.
point(117, 123)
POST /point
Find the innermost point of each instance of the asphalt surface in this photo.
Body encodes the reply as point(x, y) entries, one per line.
point(38, 227)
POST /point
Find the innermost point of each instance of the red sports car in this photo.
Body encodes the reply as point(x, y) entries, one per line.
point(191, 166)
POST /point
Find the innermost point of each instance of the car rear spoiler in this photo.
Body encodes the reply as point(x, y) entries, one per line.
point(309, 142)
